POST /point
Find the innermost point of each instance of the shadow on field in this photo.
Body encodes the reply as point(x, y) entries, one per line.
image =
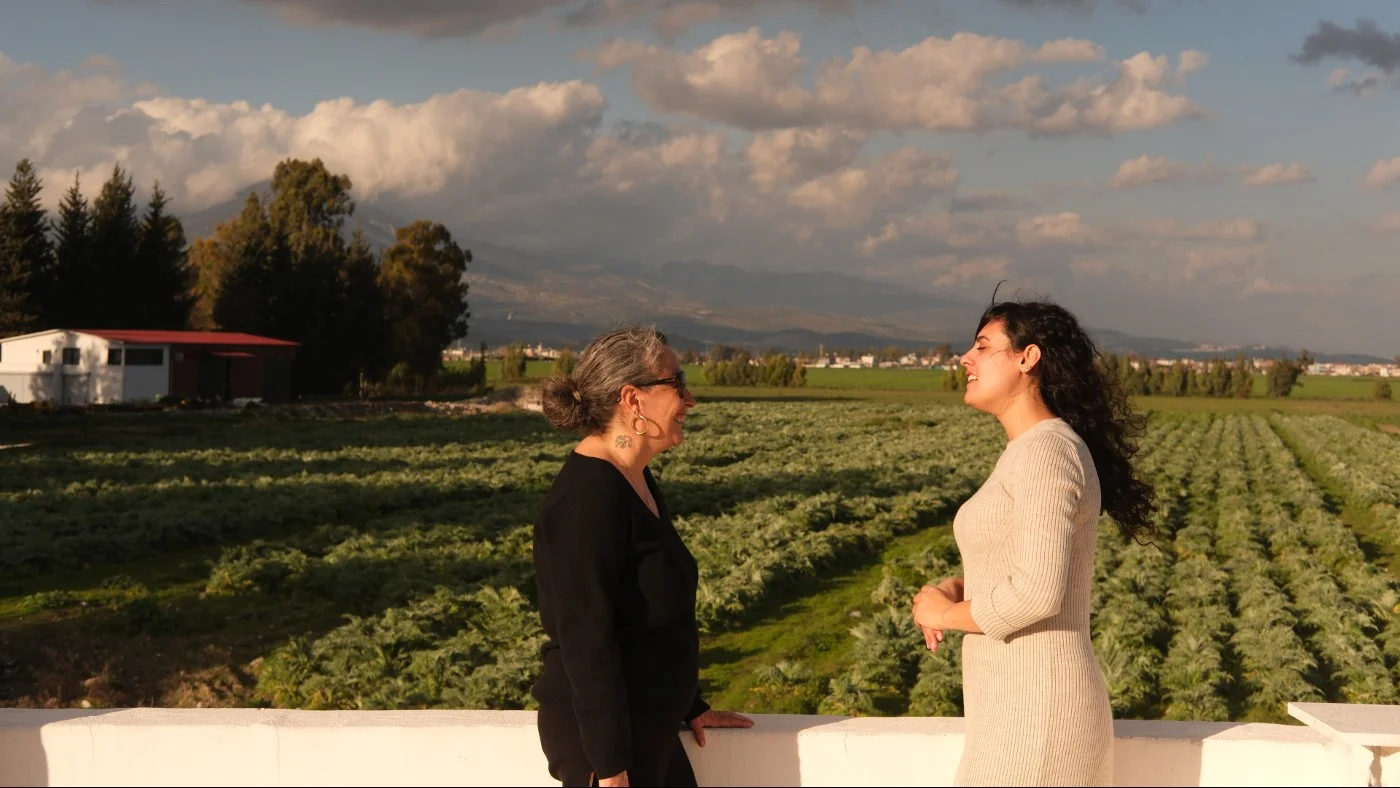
point(63, 527)
point(59, 470)
point(183, 651)
point(77, 528)
point(183, 432)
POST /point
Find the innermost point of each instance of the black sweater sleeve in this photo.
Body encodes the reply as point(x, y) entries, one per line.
point(581, 551)
point(697, 707)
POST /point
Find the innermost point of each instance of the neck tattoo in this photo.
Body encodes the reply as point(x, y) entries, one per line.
point(623, 442)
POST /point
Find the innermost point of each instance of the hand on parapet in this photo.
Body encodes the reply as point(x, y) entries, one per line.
point(717, 719)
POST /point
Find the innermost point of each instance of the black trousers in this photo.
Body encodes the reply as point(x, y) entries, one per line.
point(658, 757)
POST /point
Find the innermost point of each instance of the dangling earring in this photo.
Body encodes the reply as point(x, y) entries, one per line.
point(643, 420)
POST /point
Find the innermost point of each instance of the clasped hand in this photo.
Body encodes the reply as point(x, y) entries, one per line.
point(929, 606)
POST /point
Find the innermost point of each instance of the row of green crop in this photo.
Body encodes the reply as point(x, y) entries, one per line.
point(1195, 682)
point(1129, 614)
point(888, 657)
point(109, 504)
point(1274, 661)
point(418, 530)
point(765, 495)
point(1252, 595)
point(1364, 462)
point(829, 482)
point(1342, 598)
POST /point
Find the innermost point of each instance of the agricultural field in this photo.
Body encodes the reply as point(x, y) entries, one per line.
point(1254, 593)
point(866, 381)
point(877, 379)
point(383, 562)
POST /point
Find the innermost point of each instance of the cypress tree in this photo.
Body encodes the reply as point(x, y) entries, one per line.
point(161, 268)
point(26, 254)
point(366, 329)
point(71, 281)
point(1242, 378)
point(425, 298)
point(237, 269)
point(118, 292)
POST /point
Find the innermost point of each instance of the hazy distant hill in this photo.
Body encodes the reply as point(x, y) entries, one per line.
point(525, 296)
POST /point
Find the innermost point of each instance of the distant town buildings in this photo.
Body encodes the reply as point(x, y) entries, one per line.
point(1356, 370)
point(539, 352)
point(927, 360)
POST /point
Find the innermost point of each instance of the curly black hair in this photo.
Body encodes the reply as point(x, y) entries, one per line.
point(1075, 388)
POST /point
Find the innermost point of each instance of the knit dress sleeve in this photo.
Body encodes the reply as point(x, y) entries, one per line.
point(1045, 483)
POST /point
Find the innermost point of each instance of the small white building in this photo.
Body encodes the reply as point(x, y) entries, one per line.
point(93, 367)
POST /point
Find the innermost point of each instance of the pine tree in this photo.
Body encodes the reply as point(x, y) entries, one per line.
point(424, 295)
point(566, 362)
point(366, 322)
point(1218, 378)
point(307, 286)
point(1178, 381)
point(1283, 375)
point(161, 266)
point(236, 268)
point(283, 268)
point(1157, 382)
point(116, 295)
point(26, 254)
point(70, 285)
point(1242, 378)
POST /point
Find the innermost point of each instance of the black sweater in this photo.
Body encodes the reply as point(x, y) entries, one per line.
point(617, 600)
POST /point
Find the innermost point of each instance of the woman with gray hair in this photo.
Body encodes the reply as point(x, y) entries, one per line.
point(616, 583)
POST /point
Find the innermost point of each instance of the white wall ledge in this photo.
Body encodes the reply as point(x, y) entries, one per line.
point(277, 747)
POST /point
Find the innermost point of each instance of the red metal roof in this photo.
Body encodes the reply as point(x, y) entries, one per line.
point(137, 337)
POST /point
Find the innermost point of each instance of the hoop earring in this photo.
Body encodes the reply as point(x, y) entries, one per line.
point(642, 419)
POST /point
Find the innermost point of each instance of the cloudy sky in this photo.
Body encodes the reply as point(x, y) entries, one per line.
point(1218, 171)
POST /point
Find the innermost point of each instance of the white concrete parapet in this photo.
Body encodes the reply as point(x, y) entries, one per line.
point(275, 747)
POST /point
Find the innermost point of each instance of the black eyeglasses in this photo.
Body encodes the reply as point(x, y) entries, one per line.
point(676, 381)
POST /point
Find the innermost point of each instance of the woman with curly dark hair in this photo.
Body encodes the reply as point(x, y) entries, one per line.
point(1035, 702)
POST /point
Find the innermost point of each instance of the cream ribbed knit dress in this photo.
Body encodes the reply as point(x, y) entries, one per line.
point(1035, 703)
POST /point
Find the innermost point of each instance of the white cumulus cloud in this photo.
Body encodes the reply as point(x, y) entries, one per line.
point(902, 181)
point(741, 79)
point(1062, 228)
point(939, 84)
point(1145, 170)
point(1384, 173)
point(1233, 262)
point(1278, 174)
point(794, 155)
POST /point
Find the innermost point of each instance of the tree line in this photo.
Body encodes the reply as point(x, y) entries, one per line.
point(284, 268)
point(99, 264)
point(1220, 377)
point(772, 371)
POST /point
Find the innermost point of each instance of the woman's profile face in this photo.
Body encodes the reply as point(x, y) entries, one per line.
point(666, 404)
point(993, 370)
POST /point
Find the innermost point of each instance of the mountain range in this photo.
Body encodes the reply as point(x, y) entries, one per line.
point(555, 299)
